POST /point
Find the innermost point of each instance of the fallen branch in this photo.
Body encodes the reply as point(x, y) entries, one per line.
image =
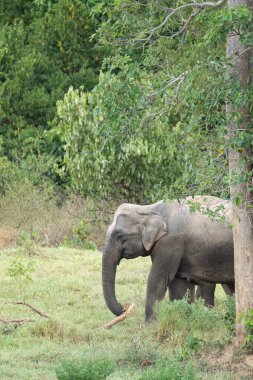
point(120, 317)
point(41, 313)
point(19, 321)
point(16, 321)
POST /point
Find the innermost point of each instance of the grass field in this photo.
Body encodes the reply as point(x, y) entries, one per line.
point(66, 284)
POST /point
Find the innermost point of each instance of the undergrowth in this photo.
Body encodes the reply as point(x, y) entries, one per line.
point(85, 369)
point(70, 344)
point(192, 328)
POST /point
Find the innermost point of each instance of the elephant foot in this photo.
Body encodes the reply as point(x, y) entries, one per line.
point(150, 318)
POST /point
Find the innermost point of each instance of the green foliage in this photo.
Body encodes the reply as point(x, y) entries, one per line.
point(28, 242)
point(21, 270)
point(18, 268)
point(44, 48)
point(230, 314)
point(190, 325)
point(112, 142)
point(166, 137)
point(79, 236)
point(170, 370)
point(104, 140)
point(247, 318)
point(85, 370)
point(151, 125)
point(192, 344)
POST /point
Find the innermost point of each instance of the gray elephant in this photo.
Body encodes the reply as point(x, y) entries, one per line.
point(181, 239)
point(205, 290)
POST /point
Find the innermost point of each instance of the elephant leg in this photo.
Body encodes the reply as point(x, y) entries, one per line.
point(156, 290)
point(229, 289)
point(206, 291)
point(163, 270)
point(178, 288)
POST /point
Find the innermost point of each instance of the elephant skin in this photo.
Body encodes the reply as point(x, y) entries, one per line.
point(190, 239)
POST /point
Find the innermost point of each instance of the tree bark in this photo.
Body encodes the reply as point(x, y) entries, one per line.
point(240, 168)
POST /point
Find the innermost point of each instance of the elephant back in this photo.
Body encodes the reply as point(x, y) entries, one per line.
point(217, 209)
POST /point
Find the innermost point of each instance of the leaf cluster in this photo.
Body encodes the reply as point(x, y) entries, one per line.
point(44, 48)
point(155, 124)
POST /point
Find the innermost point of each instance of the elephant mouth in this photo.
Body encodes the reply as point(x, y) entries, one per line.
point(129, 256)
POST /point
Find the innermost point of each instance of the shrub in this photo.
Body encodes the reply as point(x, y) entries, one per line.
point(230, 314)
point(79, 236)
point(85, 370)
point(173, 317)
point(247, 318)
point(35, 214)
point(190, 326)
point(172, 370)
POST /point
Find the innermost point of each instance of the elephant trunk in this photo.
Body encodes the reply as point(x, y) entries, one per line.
point(111, 258)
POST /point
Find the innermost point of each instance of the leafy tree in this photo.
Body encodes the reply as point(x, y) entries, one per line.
point(45, 48)
point(155, 124)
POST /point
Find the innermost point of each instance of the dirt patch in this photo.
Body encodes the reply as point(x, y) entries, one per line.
point(249, 361)
point(234, 360)
point(8, 237)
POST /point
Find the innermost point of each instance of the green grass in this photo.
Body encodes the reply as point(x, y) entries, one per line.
point(66, 284)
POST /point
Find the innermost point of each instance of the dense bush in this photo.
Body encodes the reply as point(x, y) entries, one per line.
point(85, 370)
point(45, 47)
point(192, 326)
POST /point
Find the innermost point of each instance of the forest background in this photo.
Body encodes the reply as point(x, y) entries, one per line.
point(103, 102)
point(94, 104)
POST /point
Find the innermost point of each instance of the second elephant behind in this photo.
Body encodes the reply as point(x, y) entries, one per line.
point(206, 290)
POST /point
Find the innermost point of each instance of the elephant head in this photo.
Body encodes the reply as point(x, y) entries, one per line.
point(134, 231)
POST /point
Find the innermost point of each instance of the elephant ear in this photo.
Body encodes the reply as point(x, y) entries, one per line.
point(153, 228)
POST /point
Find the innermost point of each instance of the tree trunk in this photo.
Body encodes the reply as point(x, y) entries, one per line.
point(240, 167)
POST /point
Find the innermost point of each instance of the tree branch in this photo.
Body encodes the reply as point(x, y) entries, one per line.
point(120, 317)
point(194, 5)
point(18, 321)
point(41, 313)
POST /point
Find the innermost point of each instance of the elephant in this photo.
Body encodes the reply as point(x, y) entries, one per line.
point(207, 290)
point(179, 286)
point(190, 242)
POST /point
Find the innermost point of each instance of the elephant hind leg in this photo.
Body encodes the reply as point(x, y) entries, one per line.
point(229, 289)
point(178, 288)
point(206, 291)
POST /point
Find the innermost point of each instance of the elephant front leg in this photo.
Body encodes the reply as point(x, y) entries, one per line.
point(165, 263)
point(156, 289)
point(158, 280)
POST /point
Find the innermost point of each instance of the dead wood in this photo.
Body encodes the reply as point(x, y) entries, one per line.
point(16, 321)
point(41, 313)
point(120, 317)
point(19, 321)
